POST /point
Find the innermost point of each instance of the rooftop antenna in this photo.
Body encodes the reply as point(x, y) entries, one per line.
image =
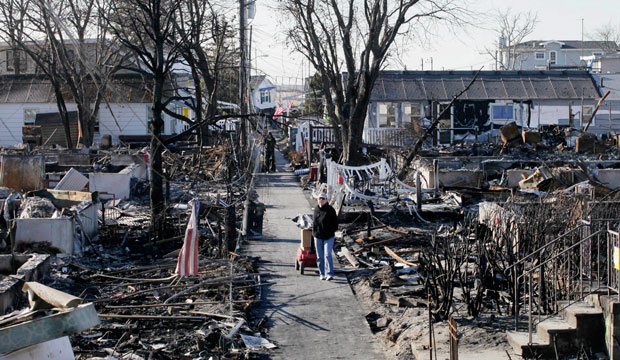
point(581, 58)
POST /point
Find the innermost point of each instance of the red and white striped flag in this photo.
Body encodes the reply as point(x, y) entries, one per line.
point(188, 257)
point(290, 104)
point(279, 111)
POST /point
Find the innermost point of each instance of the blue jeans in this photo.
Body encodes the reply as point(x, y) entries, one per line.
point(324, 256)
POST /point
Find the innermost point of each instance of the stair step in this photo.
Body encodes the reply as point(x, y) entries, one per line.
point(582, 311)
point(554, 326)
point(518, 340)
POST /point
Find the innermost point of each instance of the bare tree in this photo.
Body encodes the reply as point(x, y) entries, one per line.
point(69, 45)
point(207, 51)
point(148, 29)
point(608, 35)
point(348, 43)
point(511, 29)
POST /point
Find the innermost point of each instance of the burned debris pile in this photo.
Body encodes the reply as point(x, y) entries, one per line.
point(79, 222)
point(493, 237)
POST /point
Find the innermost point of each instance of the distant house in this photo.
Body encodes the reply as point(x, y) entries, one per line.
point(551, 54)
point(607, 118)
point(290, 94)
point(263, 94)
point(127, 110)
point(404, 102)
point(602, 64)
point(26, 92)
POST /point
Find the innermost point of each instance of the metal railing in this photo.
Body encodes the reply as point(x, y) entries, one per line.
point(570, 267)
point(386, 137)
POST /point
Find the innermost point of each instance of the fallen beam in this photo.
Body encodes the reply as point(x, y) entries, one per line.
point(350, 257)
point(378, 243)
point(396, 257)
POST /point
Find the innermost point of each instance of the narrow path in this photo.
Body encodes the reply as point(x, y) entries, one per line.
point(307, 318)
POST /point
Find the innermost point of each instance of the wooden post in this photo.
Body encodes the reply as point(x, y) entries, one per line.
point(454, 339)
point(310, 140)
point(231, 229)
point(430, 328)
point(418, 192)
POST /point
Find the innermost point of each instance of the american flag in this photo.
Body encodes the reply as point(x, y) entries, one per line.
point(290, 104)
point(188, 257)
point(279, 111)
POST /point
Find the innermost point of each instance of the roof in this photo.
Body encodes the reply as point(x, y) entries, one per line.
point(611, 83)
point(37, 89)
point(256, 80)
point(569, 44)
point(490, 85)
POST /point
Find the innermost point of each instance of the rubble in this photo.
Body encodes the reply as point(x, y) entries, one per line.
point(442, 248)
point(101, 250)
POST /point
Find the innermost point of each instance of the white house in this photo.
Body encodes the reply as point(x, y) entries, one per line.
point(263, 94)
point(550, 54)
point(126, 112)
point(603, 64)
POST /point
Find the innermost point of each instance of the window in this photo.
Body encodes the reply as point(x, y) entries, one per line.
point(413, 112)
point(265, 96)
point(387, 115)
point(540, 56)
point(502, 113)
point(552, 56)
point(29, 116)
point(587, 115)
point(10, 60)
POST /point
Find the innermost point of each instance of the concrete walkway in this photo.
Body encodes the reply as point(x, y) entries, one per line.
point(307, 318)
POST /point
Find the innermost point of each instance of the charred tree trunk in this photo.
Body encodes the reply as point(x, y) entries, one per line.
point(156, 193)
point(85, 125)
point(64, 115)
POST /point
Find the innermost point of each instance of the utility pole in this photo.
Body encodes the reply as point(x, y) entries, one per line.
point(580, 58)
point(242, 77)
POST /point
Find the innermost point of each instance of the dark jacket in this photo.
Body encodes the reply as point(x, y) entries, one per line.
point(325, 222)
point(270, 143)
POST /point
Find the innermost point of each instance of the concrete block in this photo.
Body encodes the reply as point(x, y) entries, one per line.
point(10, 290)
point(136, 170)
point(29, 268)
point(57, 233)
point(57, 349)
point(110, 185)
point(509, 132)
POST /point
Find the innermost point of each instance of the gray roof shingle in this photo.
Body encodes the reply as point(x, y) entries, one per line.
point(490, 85)
point(569, 44)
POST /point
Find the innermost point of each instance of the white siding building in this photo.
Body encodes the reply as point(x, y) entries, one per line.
point(127, 111)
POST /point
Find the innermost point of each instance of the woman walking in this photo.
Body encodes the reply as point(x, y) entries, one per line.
point(325, 224)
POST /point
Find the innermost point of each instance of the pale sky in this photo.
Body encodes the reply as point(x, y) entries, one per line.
point(557, 20)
